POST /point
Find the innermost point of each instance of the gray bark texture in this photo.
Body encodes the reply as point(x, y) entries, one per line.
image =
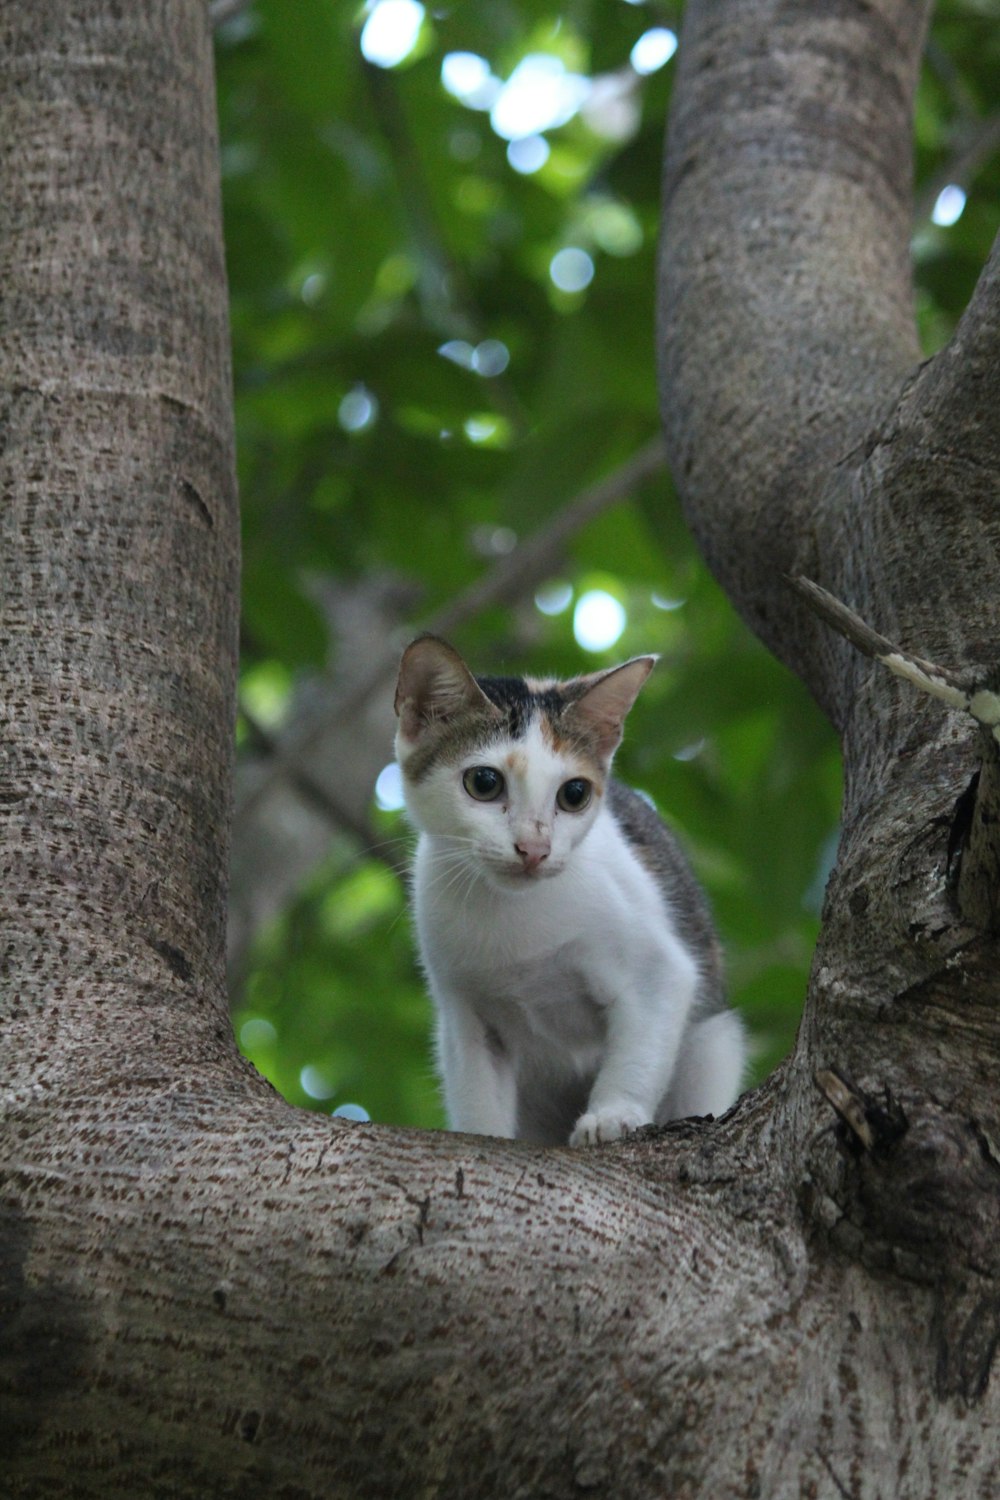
point(206, 1293)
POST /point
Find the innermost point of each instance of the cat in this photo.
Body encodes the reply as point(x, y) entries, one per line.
point(575, 972)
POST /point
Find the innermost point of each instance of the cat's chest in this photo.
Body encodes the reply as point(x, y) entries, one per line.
point(534, 981)
point(524, 941)
point(527, 965)
point(548, 1000)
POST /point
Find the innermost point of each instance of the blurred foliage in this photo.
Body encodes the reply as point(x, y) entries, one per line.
point(371, 219)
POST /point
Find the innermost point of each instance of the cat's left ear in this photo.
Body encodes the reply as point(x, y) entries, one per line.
point(602, 709)
point(434, 684)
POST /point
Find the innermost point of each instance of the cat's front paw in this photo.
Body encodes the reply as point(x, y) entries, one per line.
point(608, 1124)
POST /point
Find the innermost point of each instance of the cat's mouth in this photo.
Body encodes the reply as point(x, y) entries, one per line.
point(520, 875)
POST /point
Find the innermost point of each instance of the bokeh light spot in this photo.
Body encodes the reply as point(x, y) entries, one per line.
point(389, 788)
point(571, 269)
point(257, 1032)
point(949, 205)
point(598, 620)
point(467, 77)
point(653, 49)
point(390, 33)
point(528, 154)
point(554, 598)
point(358, 410)
point(316, 1083)
point(490, 358)
point(355, 1112)
point(539, 95)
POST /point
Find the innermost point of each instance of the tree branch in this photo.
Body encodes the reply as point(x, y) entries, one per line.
point(541, 553)
point(937, 681)
point(778, 107)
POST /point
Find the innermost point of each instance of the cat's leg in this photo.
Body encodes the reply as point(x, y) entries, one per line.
point(480, 1091)
point(710, 1068)
point(648, 999)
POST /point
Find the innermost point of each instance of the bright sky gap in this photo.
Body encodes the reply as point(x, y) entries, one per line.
point(541, 93)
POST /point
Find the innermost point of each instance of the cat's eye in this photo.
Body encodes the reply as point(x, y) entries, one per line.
point(483, 783)
point(574, 795)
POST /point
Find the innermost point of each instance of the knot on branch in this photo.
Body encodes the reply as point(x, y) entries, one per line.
point(869, 1124)
point(974, 843)
point(919, 1195)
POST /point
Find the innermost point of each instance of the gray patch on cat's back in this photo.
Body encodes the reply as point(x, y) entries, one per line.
point(658, 849)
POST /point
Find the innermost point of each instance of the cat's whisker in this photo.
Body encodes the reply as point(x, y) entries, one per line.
point(407, 841)
point(454, 882)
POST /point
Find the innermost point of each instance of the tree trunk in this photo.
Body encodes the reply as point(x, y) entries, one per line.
point(205, 1292)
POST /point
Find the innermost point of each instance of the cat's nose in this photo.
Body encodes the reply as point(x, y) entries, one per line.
point(533, 852)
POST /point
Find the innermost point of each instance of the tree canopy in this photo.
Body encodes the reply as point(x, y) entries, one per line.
point(441, 230)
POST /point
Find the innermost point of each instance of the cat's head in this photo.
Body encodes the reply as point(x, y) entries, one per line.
point(512, 769)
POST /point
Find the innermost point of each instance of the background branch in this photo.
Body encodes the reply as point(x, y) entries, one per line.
point(978, 142)
point(511, 578)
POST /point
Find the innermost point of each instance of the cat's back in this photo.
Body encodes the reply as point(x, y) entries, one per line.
point(657, 849)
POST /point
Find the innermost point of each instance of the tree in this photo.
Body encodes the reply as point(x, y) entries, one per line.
point(207, 1292)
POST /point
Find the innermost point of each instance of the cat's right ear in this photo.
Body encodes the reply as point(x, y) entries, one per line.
point(434, 684)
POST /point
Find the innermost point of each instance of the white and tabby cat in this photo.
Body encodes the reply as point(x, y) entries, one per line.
point(576, 975)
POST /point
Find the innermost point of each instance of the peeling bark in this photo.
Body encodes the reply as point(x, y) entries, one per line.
point(205, 1292)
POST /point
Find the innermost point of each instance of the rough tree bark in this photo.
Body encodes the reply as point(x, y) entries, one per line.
point(204, 1292)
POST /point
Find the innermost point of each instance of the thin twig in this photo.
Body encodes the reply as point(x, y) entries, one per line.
point(941, 683)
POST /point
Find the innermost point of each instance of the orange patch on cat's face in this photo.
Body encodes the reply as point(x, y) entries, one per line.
point(577, 753)
point(562, 744)
point(516, 762)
